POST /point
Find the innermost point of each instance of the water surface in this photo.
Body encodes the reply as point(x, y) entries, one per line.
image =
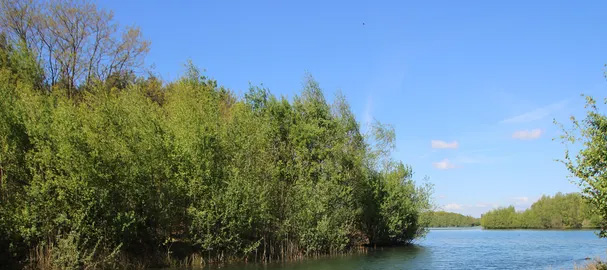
point(467, 249)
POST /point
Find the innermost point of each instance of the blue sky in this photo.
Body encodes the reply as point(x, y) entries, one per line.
point(482, 79)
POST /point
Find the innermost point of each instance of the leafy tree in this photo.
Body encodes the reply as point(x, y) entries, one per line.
point(588, 166)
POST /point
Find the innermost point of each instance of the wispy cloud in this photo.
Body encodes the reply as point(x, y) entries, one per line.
point(479, 208)
point(438, 144)
point(453, 206)
point(536, 114)
point(527, 134)
point(521, 200)
point(483, 150)
point(476, 209)
point(482, 156)
point(471, 159)
point(444, 164)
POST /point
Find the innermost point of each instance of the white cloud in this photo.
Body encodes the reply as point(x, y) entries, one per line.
point(527, 134)
point(471, 159)
point(536, 114)
point(475, 210)
point(453, 206)
point(438, 144)
point(445, 164)
point(521, 200)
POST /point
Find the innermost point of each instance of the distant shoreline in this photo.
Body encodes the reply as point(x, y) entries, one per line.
point(456, 228)
point(510, 229)
point(547, 229)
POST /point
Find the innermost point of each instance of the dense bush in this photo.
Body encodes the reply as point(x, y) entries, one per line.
point(557, 212)
point(155, 172)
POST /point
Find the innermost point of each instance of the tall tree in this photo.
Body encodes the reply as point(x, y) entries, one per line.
point(74, 41)
point(589, 165)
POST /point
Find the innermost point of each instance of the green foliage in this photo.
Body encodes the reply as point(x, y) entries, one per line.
point(561, 211)
point(448, 219)
point(588, 166)
point(189, 168)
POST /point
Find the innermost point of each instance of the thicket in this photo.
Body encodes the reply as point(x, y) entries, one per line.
point(561, 211)
point(132, 172)
point(449, 219)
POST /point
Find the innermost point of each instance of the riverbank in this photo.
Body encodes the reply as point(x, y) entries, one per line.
point(594, 265)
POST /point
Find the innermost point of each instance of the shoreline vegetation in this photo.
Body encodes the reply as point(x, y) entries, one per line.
point(101, 168)
point(561, 211)
point(443, 219)
point(595, 264)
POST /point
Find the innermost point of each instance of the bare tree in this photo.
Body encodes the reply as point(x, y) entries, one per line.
point(17, 19)
point(75, 42)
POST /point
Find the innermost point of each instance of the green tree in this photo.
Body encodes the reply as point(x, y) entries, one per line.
point(589, 166)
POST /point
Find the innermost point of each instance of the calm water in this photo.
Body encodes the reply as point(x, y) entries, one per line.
point(468, 249)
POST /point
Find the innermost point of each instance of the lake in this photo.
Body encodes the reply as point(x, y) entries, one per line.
point(470, 248)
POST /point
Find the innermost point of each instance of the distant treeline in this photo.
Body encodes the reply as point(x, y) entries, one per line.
point(115, 170)
point(449, 219)
point(561, 211)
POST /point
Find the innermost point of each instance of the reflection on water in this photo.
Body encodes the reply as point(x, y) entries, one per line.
point(466, 249)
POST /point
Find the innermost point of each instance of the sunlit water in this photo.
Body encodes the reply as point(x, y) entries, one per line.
point(468, 249)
